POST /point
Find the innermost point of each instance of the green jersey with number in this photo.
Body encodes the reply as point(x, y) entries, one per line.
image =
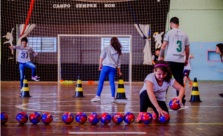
point(177, 40)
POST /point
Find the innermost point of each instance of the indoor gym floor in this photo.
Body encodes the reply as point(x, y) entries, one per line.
point(195, 119)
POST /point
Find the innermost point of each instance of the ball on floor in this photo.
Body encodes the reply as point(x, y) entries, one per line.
point(22, 118)
point(68, 117)
point(4, 118)
point(47, 118)
point(93, 118)
point(81, 117)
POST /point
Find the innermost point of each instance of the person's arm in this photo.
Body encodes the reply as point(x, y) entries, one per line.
point(33, 52)
point(100, 64)
point(119, 66)
point(181, 90)
point(187, 52)
point(162, 50)
point(149, 88)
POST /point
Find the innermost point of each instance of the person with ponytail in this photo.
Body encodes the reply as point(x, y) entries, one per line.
point(109, 62)
point(153, 92)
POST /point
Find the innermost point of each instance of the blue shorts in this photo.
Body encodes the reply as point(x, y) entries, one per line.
point(186, 73)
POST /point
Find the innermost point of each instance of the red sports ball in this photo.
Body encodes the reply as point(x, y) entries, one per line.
point(47, 118)
point(117, 118)
point(67, 117)
point(81, 117)
point(22, 117)
point(105, 118)
point(129, 117)
point(164, 118)
point(35, 117)
point(146, 117)
point(174, 104)
point(4, 117)
point(93, 118)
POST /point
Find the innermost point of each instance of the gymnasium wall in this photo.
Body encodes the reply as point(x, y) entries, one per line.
point(202, 20)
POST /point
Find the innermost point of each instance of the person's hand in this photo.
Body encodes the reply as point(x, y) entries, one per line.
point(35, 54)
point(161, 112)
point(100, 67)
point(119, 74)
point(179, 99)
point(11, 47)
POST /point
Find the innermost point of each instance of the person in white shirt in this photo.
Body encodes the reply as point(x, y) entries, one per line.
point(24, 60)
point(175, 43)
point(153, 92)
point(187, 70)
point(110, 60)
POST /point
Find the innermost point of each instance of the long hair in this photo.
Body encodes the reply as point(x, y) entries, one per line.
point(220, 47)
point(116, 45)
point(162, 65)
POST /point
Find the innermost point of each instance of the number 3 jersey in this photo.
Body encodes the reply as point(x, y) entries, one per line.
point(24, 53)
point(177, 40)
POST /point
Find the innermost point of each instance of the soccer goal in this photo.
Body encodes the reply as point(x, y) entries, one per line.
point(78, 56)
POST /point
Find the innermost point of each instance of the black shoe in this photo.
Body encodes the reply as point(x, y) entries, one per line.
point(221, 94)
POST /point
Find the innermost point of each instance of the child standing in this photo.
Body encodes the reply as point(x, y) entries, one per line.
point(24, 60)
point(108, 62)
point(153, 92)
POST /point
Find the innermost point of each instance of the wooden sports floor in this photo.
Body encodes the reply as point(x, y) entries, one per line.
point(195, 119)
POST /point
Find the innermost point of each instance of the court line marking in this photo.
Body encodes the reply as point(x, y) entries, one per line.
point(108, 133)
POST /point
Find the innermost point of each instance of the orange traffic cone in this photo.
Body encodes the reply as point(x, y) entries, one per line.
point(79, 90)
point(25, 88)
point(121, 90)
point(195, 96)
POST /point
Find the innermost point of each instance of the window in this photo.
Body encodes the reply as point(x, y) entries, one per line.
point(125, 42)
point(43, 44)
point(213, 56)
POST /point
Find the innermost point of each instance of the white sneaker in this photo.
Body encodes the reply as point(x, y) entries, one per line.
point(113, 100)
point(95, 99)
point(35, 78)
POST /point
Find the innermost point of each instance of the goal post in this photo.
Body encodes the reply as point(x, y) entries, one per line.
point(74, 50)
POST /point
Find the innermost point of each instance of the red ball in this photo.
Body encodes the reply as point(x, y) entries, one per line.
point(146, 117)
point(164, 118)
point(67, 117)
point(117, 118)
point(174, 104)
point(81, 117)
point(105, 118)
point(129, 117)
point(35, 117)
point(22, 117)
point(93, 118)
point(4, 117)
point(47, 118)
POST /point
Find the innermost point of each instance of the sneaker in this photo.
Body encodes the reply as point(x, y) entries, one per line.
point(35, 78)
point(113, 100)
point(95, 99)
point(139, 118)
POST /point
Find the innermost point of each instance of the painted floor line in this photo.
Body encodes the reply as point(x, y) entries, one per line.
point(108, 133)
